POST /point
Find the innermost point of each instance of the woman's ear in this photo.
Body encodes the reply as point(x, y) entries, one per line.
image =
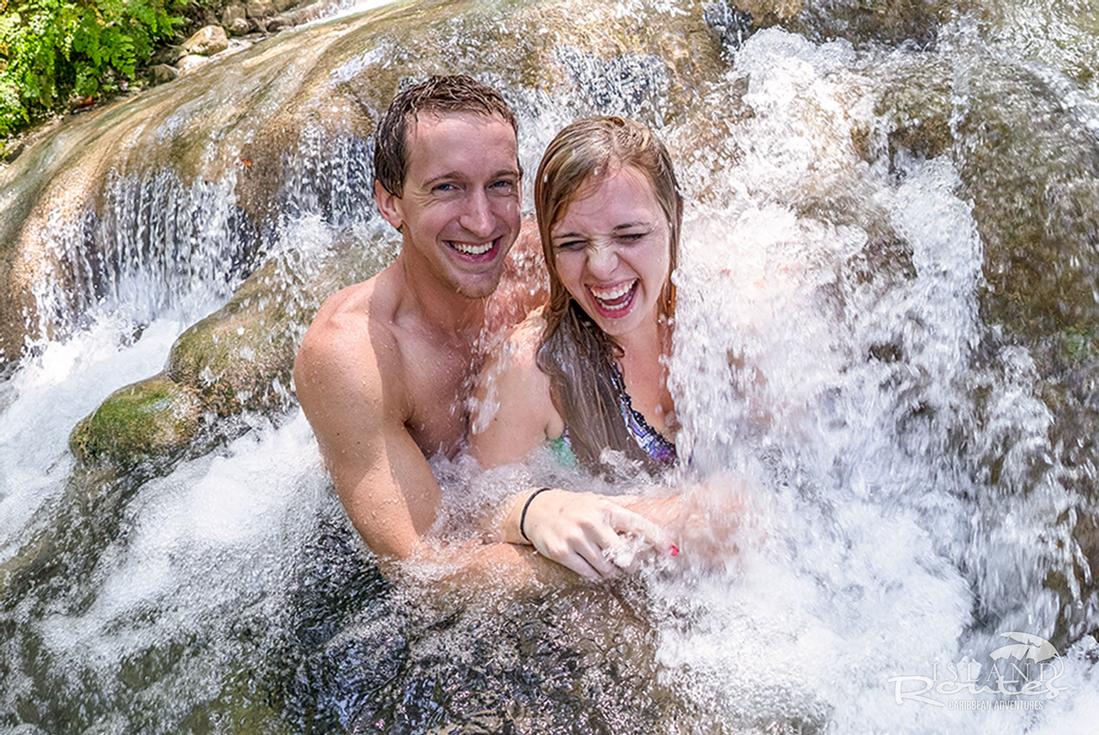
point(389, 205)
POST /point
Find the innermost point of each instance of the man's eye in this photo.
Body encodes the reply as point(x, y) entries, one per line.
point(503, 185)
point(445, 187)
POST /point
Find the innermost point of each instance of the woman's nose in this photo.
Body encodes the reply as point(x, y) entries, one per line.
point(602, 260)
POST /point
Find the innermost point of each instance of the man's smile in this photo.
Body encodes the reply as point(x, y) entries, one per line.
point(475, 252)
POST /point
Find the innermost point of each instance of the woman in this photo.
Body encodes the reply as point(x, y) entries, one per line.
point(588, 371)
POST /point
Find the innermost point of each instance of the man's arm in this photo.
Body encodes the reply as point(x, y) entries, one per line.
point(380, 475)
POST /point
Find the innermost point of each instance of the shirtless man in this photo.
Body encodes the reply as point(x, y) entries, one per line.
point(387, 361)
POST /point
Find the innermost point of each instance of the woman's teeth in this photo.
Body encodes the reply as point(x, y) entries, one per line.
point(468, 249)
point(614, 298)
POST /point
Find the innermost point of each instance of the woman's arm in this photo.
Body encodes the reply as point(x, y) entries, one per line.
point(514, 414)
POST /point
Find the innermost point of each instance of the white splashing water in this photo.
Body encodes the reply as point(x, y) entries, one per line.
point(867, 566)
point(57, 389)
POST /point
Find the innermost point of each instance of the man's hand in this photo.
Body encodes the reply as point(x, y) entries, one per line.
point(583, 531)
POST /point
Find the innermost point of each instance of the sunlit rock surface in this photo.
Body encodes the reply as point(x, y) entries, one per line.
point(242, 122)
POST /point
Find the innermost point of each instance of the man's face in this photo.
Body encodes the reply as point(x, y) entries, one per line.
point(459, 212)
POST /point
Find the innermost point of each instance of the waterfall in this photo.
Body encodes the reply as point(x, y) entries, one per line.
point(883, 367)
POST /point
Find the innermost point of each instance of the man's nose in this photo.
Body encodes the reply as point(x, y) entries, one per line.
point(477, 218)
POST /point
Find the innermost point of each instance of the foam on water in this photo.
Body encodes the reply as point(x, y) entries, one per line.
point(209, 535)
point(54, 391)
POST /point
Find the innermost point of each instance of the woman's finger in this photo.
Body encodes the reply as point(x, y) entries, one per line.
point(616, 549)
point(626, 521)
point(580, 565)
point(593, 554)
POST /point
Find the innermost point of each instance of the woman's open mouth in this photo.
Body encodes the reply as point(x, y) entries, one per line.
point(614, 302)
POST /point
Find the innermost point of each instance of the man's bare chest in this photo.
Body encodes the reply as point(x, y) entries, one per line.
point(438, 381)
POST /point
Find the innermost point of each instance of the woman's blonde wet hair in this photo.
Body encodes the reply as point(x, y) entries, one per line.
point(575, 353)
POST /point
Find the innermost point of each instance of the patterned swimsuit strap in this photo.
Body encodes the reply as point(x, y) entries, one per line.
point(651, 441)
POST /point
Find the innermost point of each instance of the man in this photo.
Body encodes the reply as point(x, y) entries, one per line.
point(385, 366)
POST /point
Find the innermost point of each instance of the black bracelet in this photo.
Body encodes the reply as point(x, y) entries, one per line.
point(526, 507)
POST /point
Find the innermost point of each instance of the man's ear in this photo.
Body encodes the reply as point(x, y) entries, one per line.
point(389, 205)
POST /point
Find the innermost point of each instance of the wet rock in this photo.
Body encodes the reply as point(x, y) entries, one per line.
point(858, 21)
point(206, 41)
point(190, 62)
point(769, 12)
point(235, 20)
point(240, 357)
point(153, 418)
point(281, 6)
point(167, 55)
point(259, 9)
point(917, 100)
point(162, 73)
point(277, 23)
point(10, 151)
point(1031, 170)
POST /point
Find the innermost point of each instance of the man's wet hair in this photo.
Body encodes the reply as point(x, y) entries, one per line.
point(436, 95)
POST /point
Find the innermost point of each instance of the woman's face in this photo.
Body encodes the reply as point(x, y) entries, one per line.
point(613, 251)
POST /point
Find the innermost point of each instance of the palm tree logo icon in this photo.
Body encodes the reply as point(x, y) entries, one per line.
point(1027, 647)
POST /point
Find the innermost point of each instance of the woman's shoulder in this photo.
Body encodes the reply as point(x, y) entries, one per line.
point(513, 365)
point(523, 341)
point(511, 385)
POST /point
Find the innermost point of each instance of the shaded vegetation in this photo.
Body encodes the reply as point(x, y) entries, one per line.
point(56, 51)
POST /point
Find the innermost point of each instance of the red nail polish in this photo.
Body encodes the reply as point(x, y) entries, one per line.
point(673, 550)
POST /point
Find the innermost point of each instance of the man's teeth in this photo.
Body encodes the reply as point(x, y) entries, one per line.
point(468, 249)
point(614, 293)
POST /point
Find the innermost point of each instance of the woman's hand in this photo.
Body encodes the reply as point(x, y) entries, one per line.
point(585, 531)
point(706, 521)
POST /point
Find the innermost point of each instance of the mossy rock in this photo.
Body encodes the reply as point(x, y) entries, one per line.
point(917, 100)
point(237, 357)
point(153, 418)
point(241, 356)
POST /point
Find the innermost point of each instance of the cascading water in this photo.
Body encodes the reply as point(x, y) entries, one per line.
point(884, 474)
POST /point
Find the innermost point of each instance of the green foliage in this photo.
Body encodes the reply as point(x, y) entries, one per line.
point(51, 49)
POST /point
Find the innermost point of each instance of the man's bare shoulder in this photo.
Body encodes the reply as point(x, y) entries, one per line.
point(351, 342)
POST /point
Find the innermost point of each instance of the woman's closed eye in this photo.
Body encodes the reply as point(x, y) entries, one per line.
point(571, 244)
